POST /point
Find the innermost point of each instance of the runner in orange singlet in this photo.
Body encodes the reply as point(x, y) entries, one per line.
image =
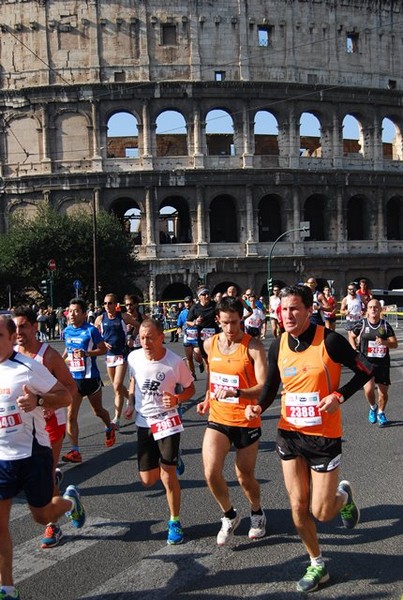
point(237, 371)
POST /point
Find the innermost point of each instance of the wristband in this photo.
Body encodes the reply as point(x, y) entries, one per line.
point(237, 393)
point(340, 397)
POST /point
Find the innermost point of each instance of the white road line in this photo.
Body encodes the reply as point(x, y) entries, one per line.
point(76, 540)
point(164, 572)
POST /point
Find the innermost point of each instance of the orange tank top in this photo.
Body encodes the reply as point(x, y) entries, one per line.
point(235, 370)
point(307, 377)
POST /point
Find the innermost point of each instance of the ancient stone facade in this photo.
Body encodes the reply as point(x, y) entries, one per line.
point(67, 67)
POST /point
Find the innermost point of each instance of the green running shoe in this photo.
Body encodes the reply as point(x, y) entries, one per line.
point(312, 578)
point(350, 513)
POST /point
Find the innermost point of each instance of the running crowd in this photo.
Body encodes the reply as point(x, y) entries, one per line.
point(41, 393)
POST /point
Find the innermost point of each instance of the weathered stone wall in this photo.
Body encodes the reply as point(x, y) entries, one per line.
point(66, 67)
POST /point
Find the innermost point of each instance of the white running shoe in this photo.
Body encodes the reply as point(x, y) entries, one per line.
point(227, 529)
point(257, 527)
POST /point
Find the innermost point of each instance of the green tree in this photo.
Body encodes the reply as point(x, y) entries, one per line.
point(26, 249)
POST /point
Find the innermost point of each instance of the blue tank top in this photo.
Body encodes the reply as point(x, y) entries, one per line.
point(114, 333)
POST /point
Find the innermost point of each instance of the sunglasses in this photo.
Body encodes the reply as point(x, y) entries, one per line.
point(109, 303)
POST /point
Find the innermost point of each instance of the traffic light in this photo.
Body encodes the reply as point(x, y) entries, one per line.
point(270, 286)
point(44, 287)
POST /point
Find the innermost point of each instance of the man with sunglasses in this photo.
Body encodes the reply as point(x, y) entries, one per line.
point(113, 327)
point(353, 309)
point(132, 309)
point(202, 316)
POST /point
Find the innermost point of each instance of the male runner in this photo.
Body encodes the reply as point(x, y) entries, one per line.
point(27, 344)
point(307, 360)
point(83, 345)
point(202, 316)
point(113, 326)
point(26, 463)
point(375, 337)
point(237, 374)
point(156, 372)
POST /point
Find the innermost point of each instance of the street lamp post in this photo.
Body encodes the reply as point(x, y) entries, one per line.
point(303, 226)
point(94, 245)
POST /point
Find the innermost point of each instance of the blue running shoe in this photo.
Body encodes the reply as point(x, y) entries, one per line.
point(77, 513)
point(180, 467)
point(52, 536)
point(372, 415)
point(175, 533)
point(5, 596)
point(382, 420)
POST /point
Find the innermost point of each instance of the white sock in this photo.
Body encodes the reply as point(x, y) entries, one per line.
point(344, 494)
point(318, 561)
point(373, 406)
point(8, 589)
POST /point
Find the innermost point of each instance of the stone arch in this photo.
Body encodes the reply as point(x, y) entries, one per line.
point(122, 135)
point(176, 291)
point(396, 283)
point(174, 225)
point(223, 219)
point(130, 213)
point(357, 218)
point(352, 136)
point(266, 133)
point(223, 286)
point(23, 140)
point(310, 143)
point(315, 213)
point(269, 218)
point(71, 136)
point(171, 133)
point(361, 276)
point(392, 143)
point(394, 218)
point(220, 133)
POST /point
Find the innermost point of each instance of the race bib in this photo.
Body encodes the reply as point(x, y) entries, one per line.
point(207, 332)
point(228, 382)
point(301, 410)
point(375, 350)
point(190, 336)
point(114, 361)
point(76, 364)
point(9, 421)
point(165, 424)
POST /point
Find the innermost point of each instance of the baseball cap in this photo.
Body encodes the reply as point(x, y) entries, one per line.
point(188, 299)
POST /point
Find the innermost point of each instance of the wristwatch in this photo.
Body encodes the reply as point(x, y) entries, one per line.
point(237, 393)
point(39, 401)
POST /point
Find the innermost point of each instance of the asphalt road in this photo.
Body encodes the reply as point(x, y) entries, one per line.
point(121, 553)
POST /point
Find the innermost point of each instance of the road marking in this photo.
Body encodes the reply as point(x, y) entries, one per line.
point(76, 540)
point(163, 573)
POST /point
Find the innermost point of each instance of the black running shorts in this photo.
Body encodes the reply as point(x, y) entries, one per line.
point(88, 387)
point(321, 453)
point(241, 437)
point(151, 452)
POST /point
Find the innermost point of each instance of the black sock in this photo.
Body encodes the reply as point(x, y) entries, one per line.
point(231, 513)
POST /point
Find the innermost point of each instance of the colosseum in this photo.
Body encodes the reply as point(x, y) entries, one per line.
point(212, 128)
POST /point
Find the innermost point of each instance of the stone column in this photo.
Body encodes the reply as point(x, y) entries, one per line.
point(294, 131)
point(380, 227)
point(250, 223)
point(377, 143)
point(296, 236)
point(337, 142)
point(247, 143)
point(96, 150)
point(147, 160)
point(198, 156)
point(202, 246)
point(150, 232)
point(341, 223)
point(46, 161)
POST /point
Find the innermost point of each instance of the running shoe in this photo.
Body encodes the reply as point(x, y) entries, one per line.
point(312, 578)
point(180, 467)
point(228, 527)
point(175, 533)
point(5, 596)
point(350, 513)
point(372, 415)
point(53, 535)
point(257, 527)
point(116, 423)
point(73, 456)
point(58, 476)
point(382, 420)
point(110, 436)
point(77, 512)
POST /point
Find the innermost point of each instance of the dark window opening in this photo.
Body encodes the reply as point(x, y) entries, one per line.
point(168, 35)
point(265, 35)
point(352, 43)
